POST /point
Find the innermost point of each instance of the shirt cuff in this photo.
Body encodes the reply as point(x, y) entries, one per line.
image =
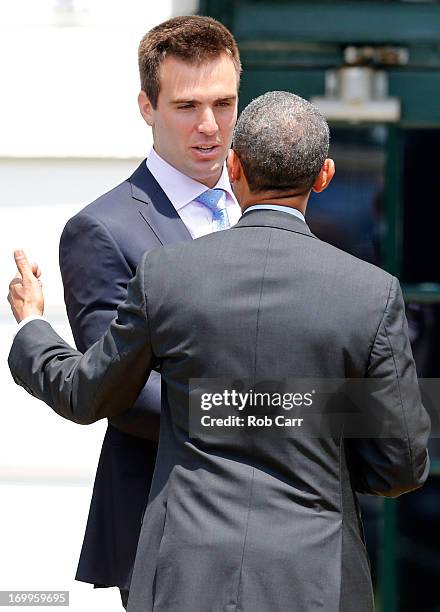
point(26, 320)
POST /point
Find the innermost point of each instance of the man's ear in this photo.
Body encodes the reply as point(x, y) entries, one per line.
point(325, 176)
point(234, 166)
point(146, 108)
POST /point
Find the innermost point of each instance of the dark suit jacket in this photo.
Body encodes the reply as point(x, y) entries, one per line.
point(99, 250)
point(255, 523)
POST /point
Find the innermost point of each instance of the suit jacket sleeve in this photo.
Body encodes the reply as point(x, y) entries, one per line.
point(103, 381)
point(392, 466)
point(95, 275)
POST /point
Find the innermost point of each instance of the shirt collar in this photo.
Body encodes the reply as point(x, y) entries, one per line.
point(179, 188)
point(286, 209)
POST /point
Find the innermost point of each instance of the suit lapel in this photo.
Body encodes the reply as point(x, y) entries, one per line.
point(155, 208)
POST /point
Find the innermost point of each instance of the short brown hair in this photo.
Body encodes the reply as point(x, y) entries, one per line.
point(191, 38)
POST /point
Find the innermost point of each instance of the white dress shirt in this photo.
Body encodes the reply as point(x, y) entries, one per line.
point(182, 191)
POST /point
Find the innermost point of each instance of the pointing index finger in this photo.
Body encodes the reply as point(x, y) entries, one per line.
point(22, 263)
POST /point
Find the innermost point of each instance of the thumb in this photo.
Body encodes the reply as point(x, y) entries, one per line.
point(36, 270)
point(22, 264)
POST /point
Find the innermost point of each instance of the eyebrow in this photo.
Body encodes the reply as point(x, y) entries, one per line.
point(187, 101)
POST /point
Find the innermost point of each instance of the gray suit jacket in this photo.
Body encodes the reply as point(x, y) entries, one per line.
point(267, 524)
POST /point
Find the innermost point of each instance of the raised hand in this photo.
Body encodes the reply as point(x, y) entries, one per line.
point(25, 293)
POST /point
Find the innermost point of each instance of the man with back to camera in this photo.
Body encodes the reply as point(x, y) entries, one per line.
point(189, 70)
point(248, 523)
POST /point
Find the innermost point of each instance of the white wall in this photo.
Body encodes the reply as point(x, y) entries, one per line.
point(70, 130)
point(47, 464)
point(38, 196)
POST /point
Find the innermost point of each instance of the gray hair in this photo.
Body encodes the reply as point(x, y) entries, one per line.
point(282, 141)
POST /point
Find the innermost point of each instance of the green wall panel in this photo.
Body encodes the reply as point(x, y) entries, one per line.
point(257, 82)
point(419, 92)
point(344, 22)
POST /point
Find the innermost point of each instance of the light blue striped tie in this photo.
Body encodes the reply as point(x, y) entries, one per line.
point(212, 199)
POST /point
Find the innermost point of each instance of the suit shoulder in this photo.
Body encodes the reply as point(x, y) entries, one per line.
point(331, 255)
point(348, 264)
point(179, 250)
point(112, 212)
point(332, 262)
point(106, 205)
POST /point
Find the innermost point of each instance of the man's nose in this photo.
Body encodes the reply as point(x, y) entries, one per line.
point(208, 123)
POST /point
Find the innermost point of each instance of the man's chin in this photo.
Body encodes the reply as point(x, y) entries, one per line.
point(207, 171)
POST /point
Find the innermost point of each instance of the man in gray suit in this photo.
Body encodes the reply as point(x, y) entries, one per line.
point(254, 523)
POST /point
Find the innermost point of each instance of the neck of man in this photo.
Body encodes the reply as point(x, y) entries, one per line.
point(280, 198)
point(211, 181)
